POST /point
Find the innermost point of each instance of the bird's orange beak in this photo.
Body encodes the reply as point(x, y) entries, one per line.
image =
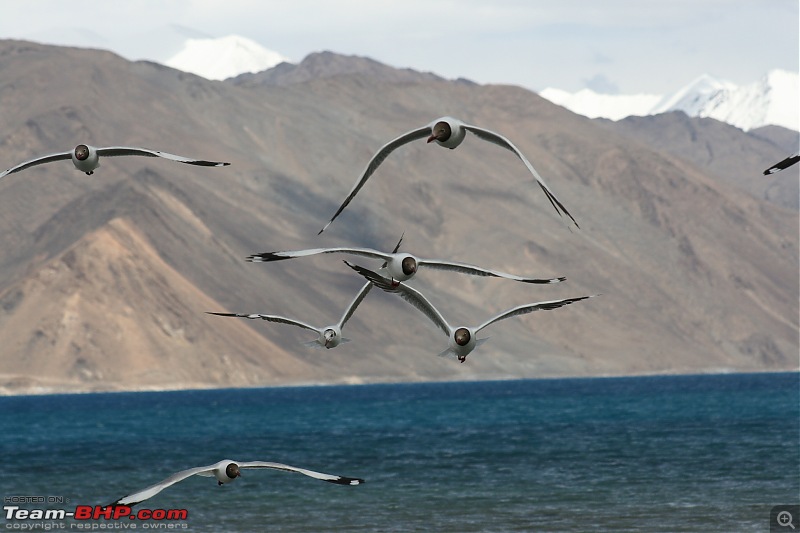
point(431, 138)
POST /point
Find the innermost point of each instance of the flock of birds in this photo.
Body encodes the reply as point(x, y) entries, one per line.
point(397, 269)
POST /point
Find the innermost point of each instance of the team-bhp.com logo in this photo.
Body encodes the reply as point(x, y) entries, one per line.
point(88, 512)
point(88, 516)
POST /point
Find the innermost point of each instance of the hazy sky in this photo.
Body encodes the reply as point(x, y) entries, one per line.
point(623, 46)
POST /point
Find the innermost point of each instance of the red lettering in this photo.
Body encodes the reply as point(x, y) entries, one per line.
point(121, 511)
point(177, 514)
point(83, 512)
point(116, 512)
point(102, 512)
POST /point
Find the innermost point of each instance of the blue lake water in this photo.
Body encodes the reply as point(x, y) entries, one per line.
point(671, 453)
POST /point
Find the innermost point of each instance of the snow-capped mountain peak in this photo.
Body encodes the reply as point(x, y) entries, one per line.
point(772, 100)
point(692, 97)
point(590, 104)
point(224, 57)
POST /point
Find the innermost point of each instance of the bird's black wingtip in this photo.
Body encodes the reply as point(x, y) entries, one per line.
point(342, 480)
point(266, 257)
point(201, 163)
point(376, 279)
point(397, 246)
point(544, 281)
point(361, 270)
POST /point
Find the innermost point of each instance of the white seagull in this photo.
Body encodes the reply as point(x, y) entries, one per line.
point(462, 340)
point(328, 336)
point(448, 132)
point(87, 158)
point(400, 266)
point(226, 471)
point(782, 165)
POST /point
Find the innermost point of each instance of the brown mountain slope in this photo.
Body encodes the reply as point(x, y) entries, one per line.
point(739, 158)
point(72, 324)
point(319, 65)
point(695, 274)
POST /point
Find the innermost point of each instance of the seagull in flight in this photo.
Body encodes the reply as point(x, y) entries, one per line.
point(226, 471)
point(447, 132)
point(87, 158)
point(400, 266)
point(327, 336)
point(462, 340)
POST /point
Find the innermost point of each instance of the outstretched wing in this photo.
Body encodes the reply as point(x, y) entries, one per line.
point(270, 318)
point(37, 161)
point(375, 162)
point(114, 151)
point(408, 294)
point(364, 290)
point(529, 308)
point(496, 138)
point(352, 307)
point(777, 167)
point(464, 268)
point(266, 257)
point(330, 478)
point(149, 492)
point(396, 246)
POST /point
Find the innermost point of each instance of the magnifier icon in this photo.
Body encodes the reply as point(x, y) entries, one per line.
point(785, 519)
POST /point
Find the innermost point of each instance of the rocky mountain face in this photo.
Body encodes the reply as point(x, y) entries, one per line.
point(104, 279)
point(723, 151)
point(328, 64)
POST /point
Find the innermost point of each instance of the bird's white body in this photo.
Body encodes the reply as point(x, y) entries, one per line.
point(219, 472)
point(456, 136)
point(461, 351)
point(90, 159)
point(330, 337)
point(400, 267)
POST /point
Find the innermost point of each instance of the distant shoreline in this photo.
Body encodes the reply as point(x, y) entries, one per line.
point(62, 389)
